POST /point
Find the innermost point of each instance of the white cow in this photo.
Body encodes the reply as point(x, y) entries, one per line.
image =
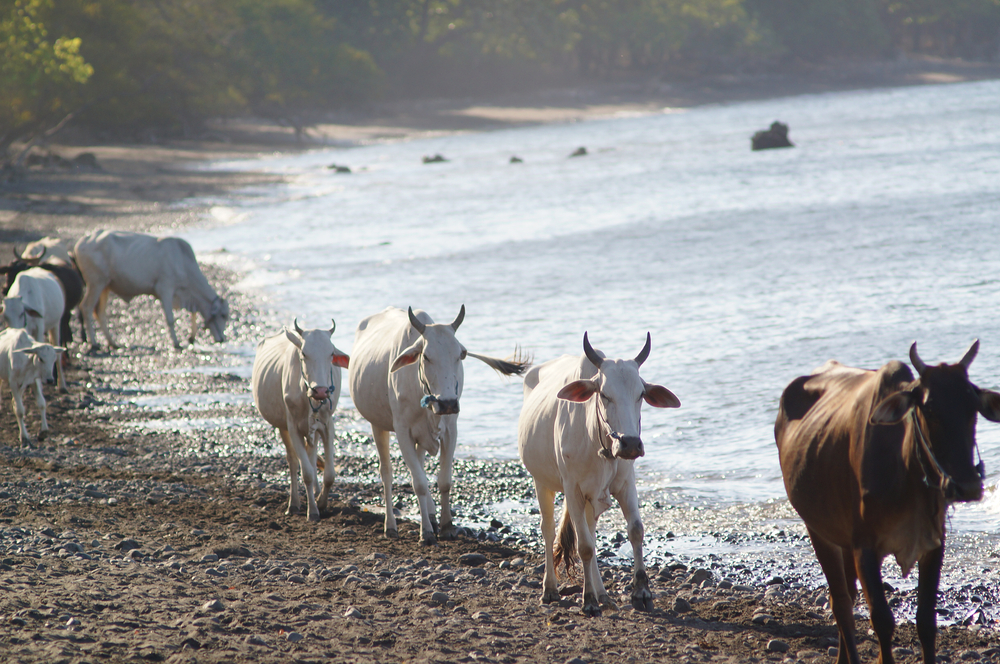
point(24, 361)
point(35, 302)
point(296, 386)
point(406, 376)
point(579, 433)
point(130, 264)
point(45, 250)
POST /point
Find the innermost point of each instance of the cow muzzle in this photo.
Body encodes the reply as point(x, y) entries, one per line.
point(628, 447)
point(963, 492)
point(319, 392)
point(440, 406)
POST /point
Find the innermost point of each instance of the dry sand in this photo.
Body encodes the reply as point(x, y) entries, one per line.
point(127, 536)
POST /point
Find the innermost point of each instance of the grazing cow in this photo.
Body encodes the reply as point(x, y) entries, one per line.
point(130, 264)
point(24, 361)
point(587, 452)
point(296, 386)
point(46, 249)
point(36, 303)
point(871, 461)
point(406, 376)
point(72, 286)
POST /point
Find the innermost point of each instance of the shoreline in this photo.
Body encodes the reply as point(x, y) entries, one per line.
point(132, 533)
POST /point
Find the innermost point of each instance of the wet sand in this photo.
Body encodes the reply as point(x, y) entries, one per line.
point(150, 525)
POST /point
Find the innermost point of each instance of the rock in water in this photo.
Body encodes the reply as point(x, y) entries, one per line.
point(775, 137)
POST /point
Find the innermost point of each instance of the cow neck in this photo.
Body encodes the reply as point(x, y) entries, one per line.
point(604, 430)
point(428, 398)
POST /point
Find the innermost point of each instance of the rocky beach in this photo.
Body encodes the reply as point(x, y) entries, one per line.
point(147, 528)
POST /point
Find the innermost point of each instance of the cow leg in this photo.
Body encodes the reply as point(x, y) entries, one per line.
point(628, 498)
point(385, 470)
point(329, 474)
point(414, 461)
point(447, 530)
point(581, 514)
point(60, 376)
point(17, 393)
point(40, 400)
point(167, 304)
point(102, 318)
point(293, 472)
point(194, 328)
point(927, 586)
point(547, 508)
point(305, 458)
point(831, 559)
point(869, 567)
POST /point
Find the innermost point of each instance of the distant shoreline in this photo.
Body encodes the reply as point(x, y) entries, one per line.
point(143, 186)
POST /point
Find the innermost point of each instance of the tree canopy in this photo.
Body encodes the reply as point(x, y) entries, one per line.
point(123, 66)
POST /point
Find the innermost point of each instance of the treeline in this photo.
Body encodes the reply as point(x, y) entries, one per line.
point(124, 65)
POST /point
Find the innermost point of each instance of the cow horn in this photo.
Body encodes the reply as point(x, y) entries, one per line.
point(970, 355)
point(45, 250)
point(644, 353)
point(458, 319)
point(591, 354)
point(918, 364)
point(14, 251)
point(417, 325)
point(298, 329)
point(334, 323)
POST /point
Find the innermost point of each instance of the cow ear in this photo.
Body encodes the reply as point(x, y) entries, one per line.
point(292, 337)
point(464, 354)
point(989, 405)
point(34, 313)
point(894, 408)
point(341, 360)
point(408, 356)
point(658, 396)
point(578, 391)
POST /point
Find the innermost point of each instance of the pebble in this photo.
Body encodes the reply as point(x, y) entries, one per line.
point(353, 612)
point(210, 558)
point(482, 616)
point(681, 605)
point(473, 559)
point(213, 605)
point(777, 645)
point(439, 598)
point(294, 637)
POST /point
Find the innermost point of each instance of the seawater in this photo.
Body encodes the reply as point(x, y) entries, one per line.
point(748, 268)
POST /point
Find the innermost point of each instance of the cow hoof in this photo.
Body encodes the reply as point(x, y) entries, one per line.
point(429, 540)
point(392, 534)
point(42, 435)
point(607, 603)
point(449, 533)
point(314, 517)
point(550, 596)
point(25, 442)
point(642, 603)
point(592, 611)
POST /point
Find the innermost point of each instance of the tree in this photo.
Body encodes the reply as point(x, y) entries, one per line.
point(38, 75)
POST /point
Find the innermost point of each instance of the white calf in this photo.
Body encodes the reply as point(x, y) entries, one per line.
point(296, 386)
point(587, 452)
point(24, 361)
point(36, 302)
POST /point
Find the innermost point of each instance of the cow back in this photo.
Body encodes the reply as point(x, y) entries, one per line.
point(40, 290)
point(379, 339)
point(276, 378)
point(840, 471)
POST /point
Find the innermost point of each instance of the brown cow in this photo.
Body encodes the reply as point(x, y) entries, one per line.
point(871, 462)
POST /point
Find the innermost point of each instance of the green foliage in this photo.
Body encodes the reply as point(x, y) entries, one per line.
point(36, 72)
point(133, 65)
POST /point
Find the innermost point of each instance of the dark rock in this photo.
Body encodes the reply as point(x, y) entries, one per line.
point(579, 152)
point(516, 160)
point(775, 137)
point(473, 559)
point(436, 159)
point(127, 545)
point(85, 160)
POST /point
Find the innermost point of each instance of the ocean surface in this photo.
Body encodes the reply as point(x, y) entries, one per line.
point(748, 268)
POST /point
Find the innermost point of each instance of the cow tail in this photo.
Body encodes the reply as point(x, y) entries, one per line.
point(565, 549)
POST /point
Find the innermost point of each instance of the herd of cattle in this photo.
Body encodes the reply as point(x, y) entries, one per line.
point(871, 460)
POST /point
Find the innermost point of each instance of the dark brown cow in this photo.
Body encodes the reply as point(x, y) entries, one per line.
point(871, 462)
